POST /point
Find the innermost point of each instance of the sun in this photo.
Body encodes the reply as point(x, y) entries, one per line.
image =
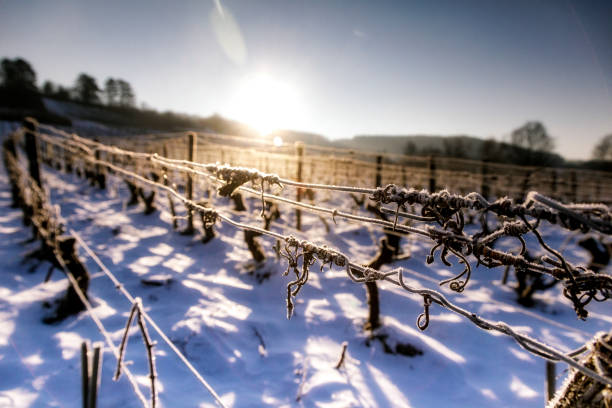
point(267, 103)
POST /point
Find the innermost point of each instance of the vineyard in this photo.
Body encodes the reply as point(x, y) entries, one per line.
point(221, 270)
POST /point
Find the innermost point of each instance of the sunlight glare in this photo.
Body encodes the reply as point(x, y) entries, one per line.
point(227, 33)
point(278, 141)
point(267, 104)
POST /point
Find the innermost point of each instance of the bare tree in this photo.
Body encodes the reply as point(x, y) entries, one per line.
point(533, 136)
point(603, 149)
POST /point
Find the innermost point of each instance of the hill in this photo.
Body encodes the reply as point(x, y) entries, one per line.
point(125, 120)
point(466, 146)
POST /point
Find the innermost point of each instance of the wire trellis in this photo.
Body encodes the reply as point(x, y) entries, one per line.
point(443, 209)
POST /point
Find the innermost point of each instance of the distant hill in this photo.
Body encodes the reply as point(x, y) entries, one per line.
point(292, 136)
point(461, 145)
point(456, 146)
point(88, 119)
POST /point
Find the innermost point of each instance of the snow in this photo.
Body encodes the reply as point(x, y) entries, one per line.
point(233, 328)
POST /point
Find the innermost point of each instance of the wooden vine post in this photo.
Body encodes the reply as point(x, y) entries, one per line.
point(167, 183)
point(299, 151)
point(373, 321)
point(574, 186)
point(100, 176)
point(432, 173)
point(351, 178)
point(550, 380)
point(553, 182)
point(484, 186)
point(191, 155)
point(384, 256)
point(526, 183)
point(31, 147)
point(85, 373)
point(378, 181)
point(91, 374)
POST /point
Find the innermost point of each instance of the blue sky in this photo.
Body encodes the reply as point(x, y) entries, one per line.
point(355, 67)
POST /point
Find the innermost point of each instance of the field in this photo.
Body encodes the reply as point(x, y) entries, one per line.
point(227, 314)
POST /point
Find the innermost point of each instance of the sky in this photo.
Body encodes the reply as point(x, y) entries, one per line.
point(340, 68)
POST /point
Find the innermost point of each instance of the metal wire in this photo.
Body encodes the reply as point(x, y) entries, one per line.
point(159, 331)
point(340, 259)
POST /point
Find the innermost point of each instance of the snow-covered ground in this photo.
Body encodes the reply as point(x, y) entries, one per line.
point(233, 327)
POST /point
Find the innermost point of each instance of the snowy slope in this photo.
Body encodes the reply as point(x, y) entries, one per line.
point(234, 328)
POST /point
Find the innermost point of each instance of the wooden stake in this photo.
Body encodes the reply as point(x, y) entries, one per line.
point(192, 146)
point(553, 186)
point(31, 147)
point(166, 183)
point(550, 380)
point(96, 369)
point(574, 181)
point(85, 373)
point(299, 151)
point(432, 174)
point(100, 176)
point(378, 181)
point(484, 183)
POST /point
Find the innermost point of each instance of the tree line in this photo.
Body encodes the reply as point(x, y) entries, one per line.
point(18, 82)
point(116, 92)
